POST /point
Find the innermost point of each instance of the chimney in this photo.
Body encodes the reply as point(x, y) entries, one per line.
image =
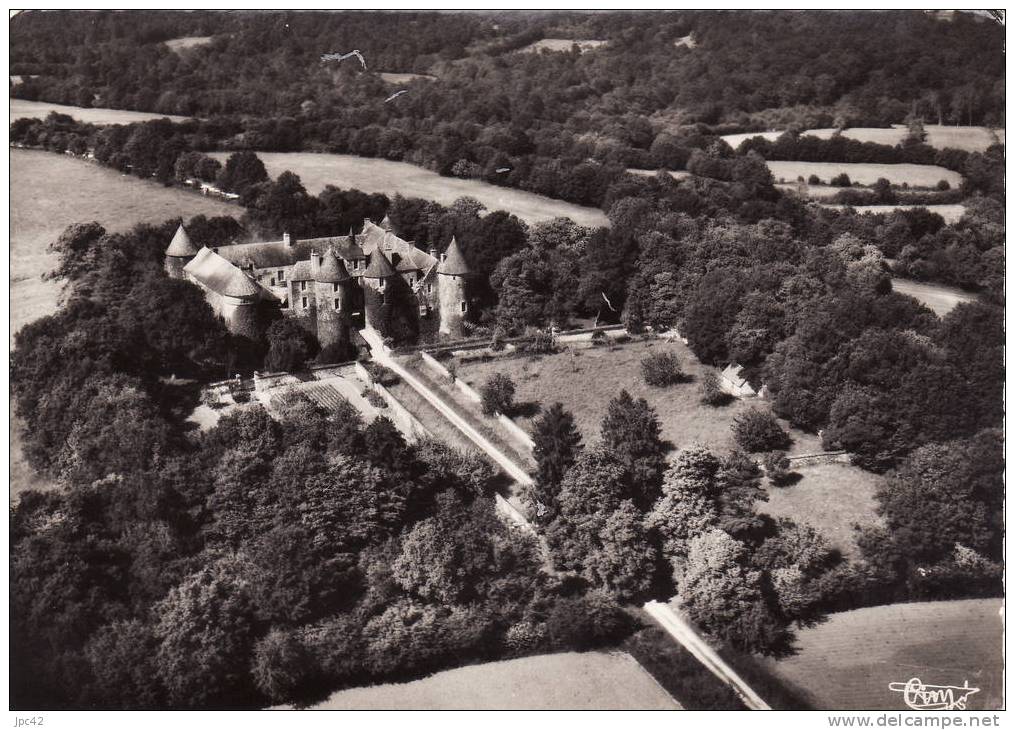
point(433, 252)
point(315, 261)
point(286, 240)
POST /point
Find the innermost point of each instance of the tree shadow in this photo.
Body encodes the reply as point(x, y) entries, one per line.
point(525, 409)
point(788, 479)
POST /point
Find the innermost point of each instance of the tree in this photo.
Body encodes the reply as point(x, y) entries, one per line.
point(630, 431)
point(78, 250)
point(207, 632)
point(557, 445)
point(498, 394)
point(625, 562)
point(284, 669)
point(282, 206)
point(661, 369)
point(687, 507)
point(242, 170)
point(756, 430)
point(289, 346)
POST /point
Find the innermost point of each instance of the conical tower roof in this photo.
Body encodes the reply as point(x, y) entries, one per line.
point(181, 244)
point(454, 262)
point(386, 223)
point(240, 285)
point(380, 267)
point(332, 270)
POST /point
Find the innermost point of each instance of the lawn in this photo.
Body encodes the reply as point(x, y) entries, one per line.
point(864, 173)
point(830, 497)
point(569, 681)
point(848, 662)
point(21, 108)
point(373, 175)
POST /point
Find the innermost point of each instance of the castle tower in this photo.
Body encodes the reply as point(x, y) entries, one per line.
point(377, 281)
point(333, 290)
point(239, 298)
point(452, 291)
point(181, 251)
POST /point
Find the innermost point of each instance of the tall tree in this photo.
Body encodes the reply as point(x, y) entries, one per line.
point(557, 444)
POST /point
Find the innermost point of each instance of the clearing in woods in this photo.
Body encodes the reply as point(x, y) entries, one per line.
point(24, 109)
point(182, 44)
point(847, 662)
point(558, 45)
point(921, 176)
point(373, 175)
point(400, 78)
point(568, 681)
point(971, 139)
point(939, 298)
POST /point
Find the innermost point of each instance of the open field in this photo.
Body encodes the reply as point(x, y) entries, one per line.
point(22, 108)
point(395, 78)
point(570, 681)
point(831, 498)
point(50, 192)
point(182, 44)
point(561, 44)
point(926, 176)
point(848, 662)
point(950, 213)
point(971, 139)
point(939, 298)
point(373, 175)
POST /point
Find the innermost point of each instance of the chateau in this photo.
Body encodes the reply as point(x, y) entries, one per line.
point(331, 285)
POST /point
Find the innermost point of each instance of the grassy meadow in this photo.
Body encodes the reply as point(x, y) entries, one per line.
point(830, 497)
point(568, 681)
point(22, 108)
point(864, 173)
point(373, 175)
point(847, 662)
point(971, 139)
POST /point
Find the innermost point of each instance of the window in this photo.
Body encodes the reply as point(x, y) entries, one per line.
point(465, 307)
point(429, 288)
point(304, 302)
point(303, 286)
point(380, 284)
point(334, 287)
point(281, 274)
point(338, 305)
point(422, 310)
point(273, 281)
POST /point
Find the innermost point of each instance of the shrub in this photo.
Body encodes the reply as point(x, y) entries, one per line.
point(541, 344)
point(498, 395)
point(841, 180)
point(943, 185)
point(374, 398)
point(661, 369)
point(452, 368)
point(756, 430)
point(497, 341)
point(777, 467)
point(598, 338)
point(241, 396)
point(380, 374)
point(211, 398)
point(814, 180)
point(712, 393)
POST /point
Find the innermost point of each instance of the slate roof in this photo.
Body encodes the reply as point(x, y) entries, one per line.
point(379, 266)
point(454, 263)
point(221, 276)
point(181, 244)
point(332, 270)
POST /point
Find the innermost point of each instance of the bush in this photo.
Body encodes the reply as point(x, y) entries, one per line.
point(814, 180)
point(841, 181)
point(211, 398)
point(712, 393)
point(497, 341)
point(756, 430)
point(943, 185)
point(777, 467)
point(598, 338)
point(661, 369)
point(241, 396)
point(498, 395)
point(380, 374)
point(541, 344)
point(374, 398)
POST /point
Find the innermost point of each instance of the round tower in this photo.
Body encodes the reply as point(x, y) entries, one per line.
point(239, 298)
point(378, 279)
point(452, 291)
point(333, 290)
point(181, 251)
